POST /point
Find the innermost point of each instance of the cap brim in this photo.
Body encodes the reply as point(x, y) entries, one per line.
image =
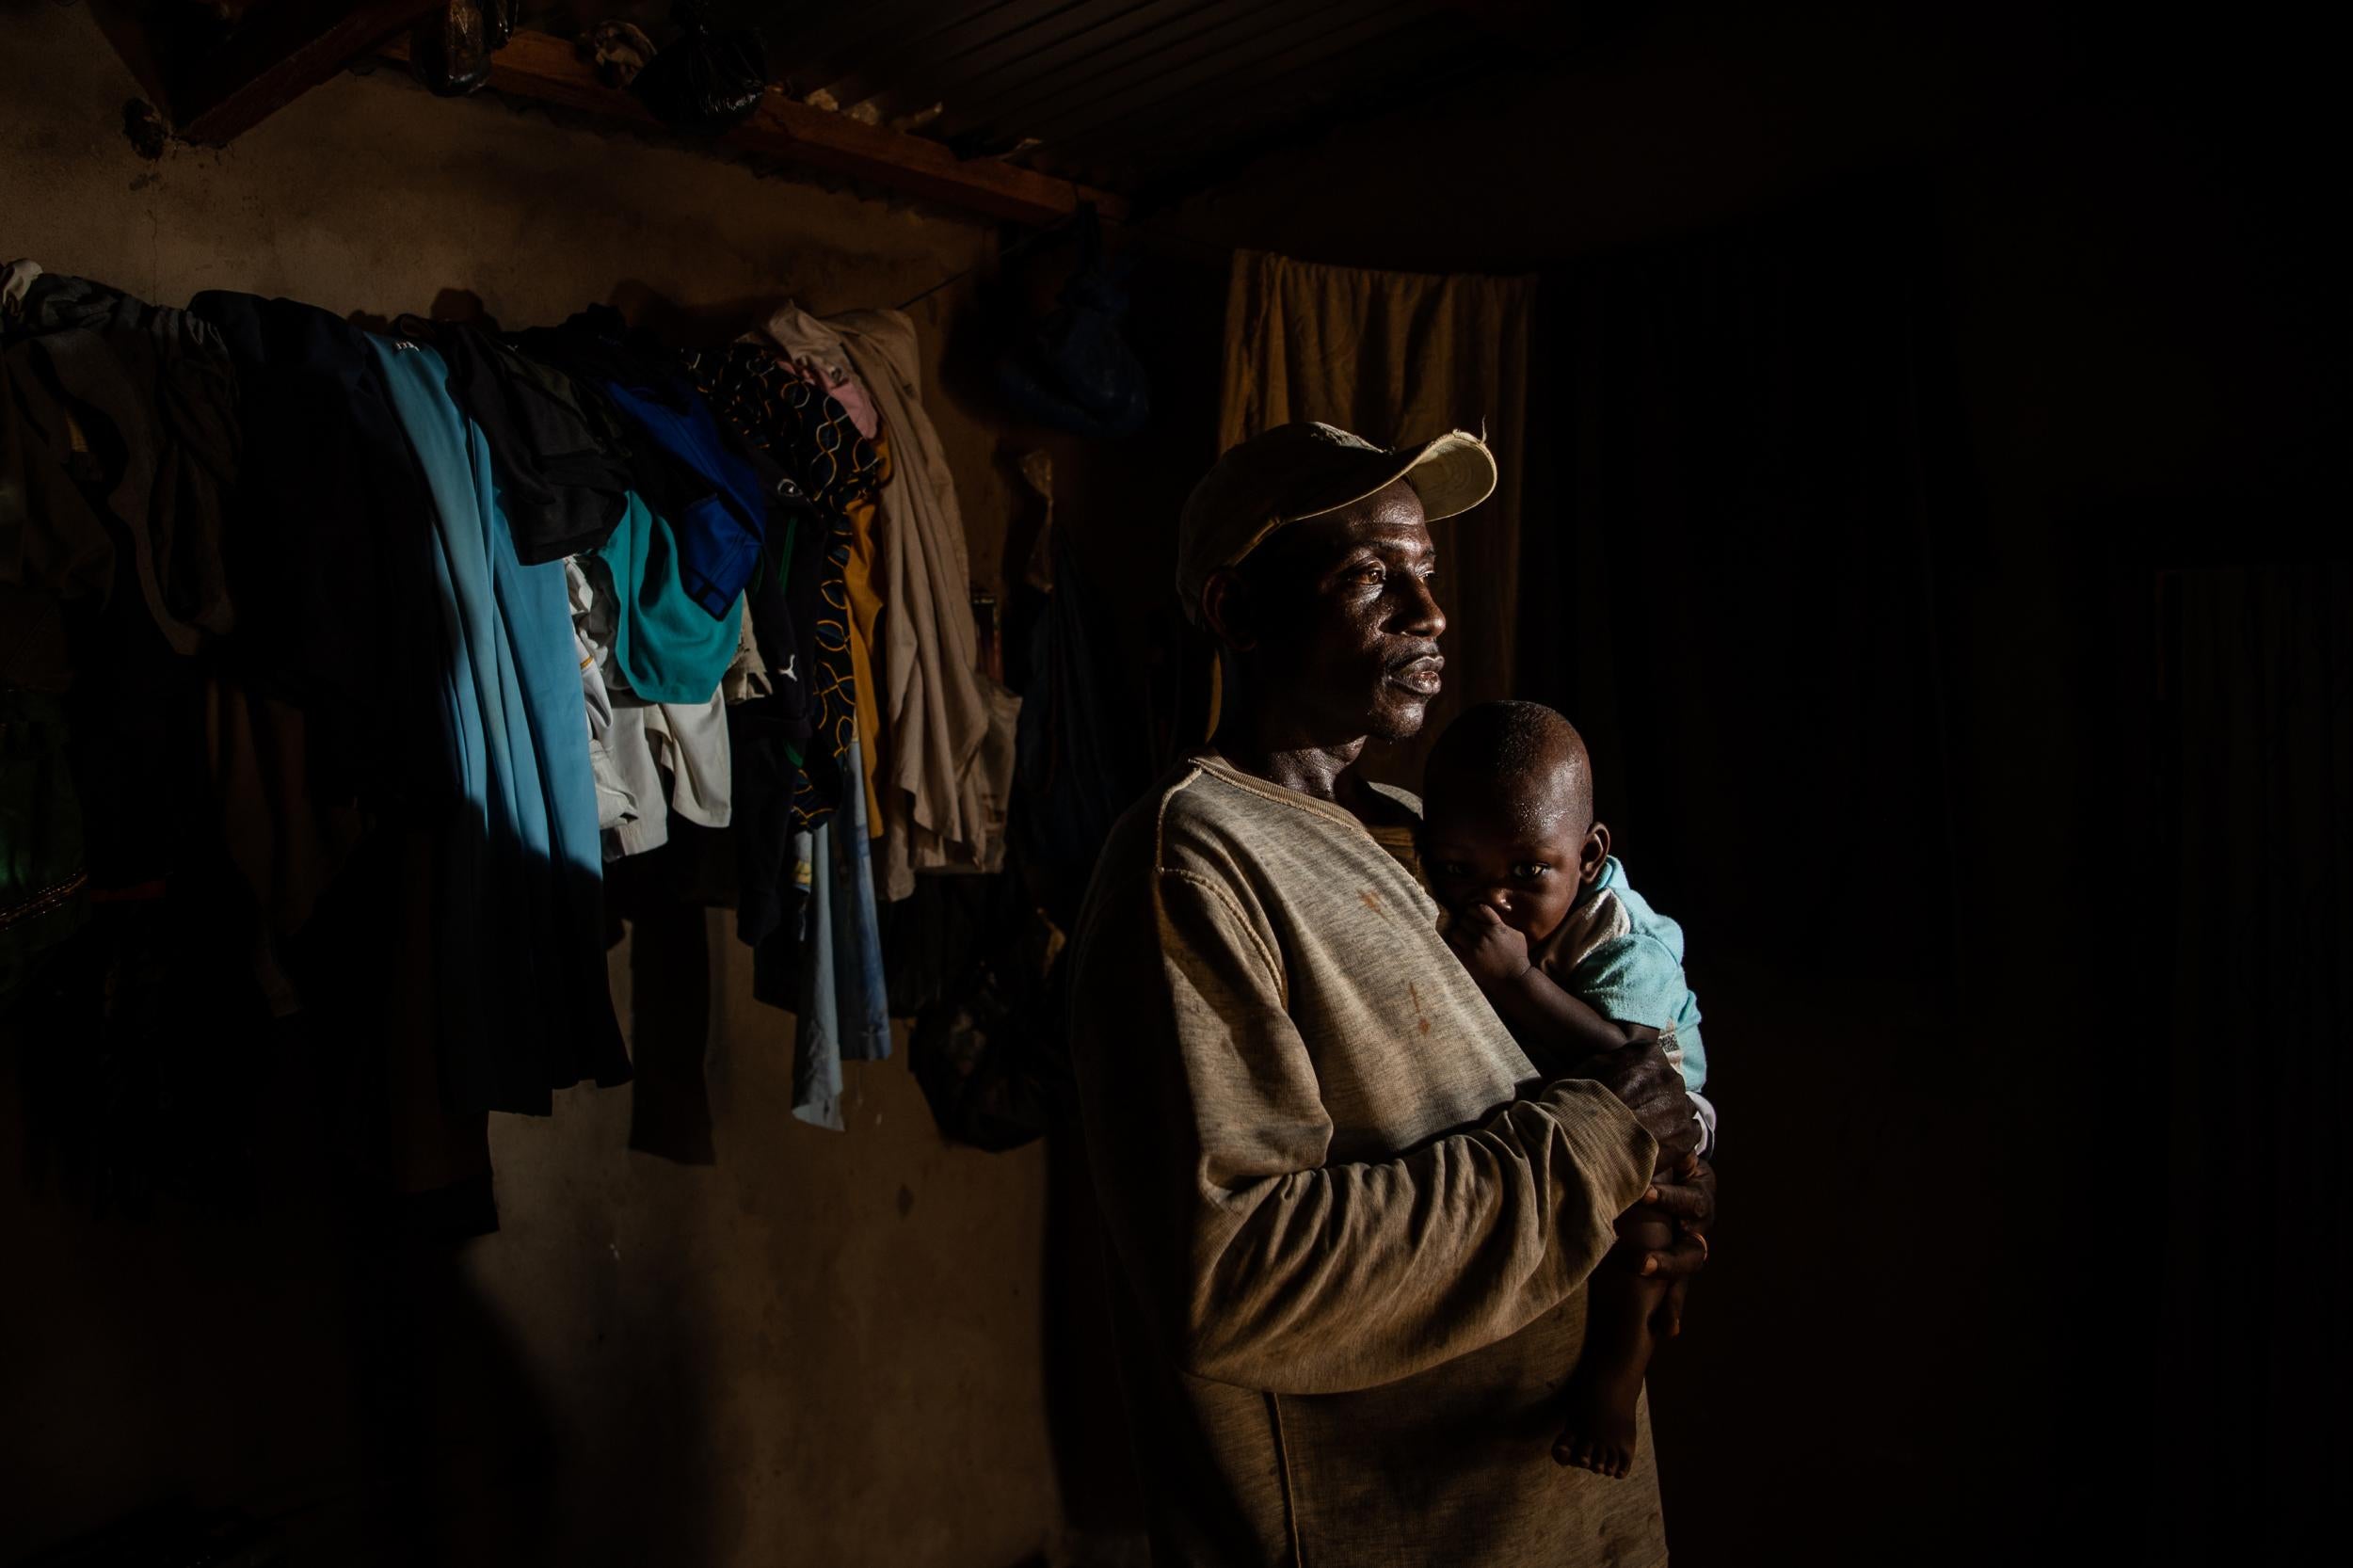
point(1451, 475)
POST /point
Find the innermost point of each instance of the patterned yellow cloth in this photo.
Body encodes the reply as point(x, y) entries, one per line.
point(810, 435)
point(865, 610)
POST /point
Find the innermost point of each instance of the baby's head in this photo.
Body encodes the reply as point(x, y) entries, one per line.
point(1508, 816)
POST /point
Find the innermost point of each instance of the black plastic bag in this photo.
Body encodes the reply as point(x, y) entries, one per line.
point(989, 1054)
point(1074, 370)
point(703, 81)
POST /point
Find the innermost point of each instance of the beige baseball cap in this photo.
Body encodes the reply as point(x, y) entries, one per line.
point(1303, 470)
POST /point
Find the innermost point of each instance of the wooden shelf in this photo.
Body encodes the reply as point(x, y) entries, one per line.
point(546, 70)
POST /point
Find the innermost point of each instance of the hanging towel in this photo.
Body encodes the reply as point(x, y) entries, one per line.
point(520, 970)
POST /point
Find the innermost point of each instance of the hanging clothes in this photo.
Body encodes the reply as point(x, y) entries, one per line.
point(117, 429)
point(934, 710)
point(120, 427)
point(156, 395)
point(1085, 741)
point(44, 881)
point(863, 605)
point(77, 622)
point(634, 744)
point(719, 539)
point(805, 898)
point(837, 996)
point(666, 644)
point(828, 370)
point(15, 279)
point(524, 1005)
point(400, 686)
point(683, 464)
point(847, 465)
point(786, 746)
point(558, 449)
point(864, 1008)
point(748, 678)
point(53, 548)
point(829, 467)
point(816, 1014)
point(288, 843)
point(330, 564)
point(745, 388)
point(823, 367)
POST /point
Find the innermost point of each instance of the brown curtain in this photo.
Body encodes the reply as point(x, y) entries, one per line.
point(2012, 872)
point(1749, 495)
point(1400, 357)
point(2259, 769)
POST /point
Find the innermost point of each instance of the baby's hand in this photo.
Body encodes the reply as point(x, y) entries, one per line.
point(1494, 953)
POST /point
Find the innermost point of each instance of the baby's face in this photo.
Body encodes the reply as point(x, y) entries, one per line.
point(1524, 851)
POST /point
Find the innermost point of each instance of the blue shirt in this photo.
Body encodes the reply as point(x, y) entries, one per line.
point(1625, 960)
point(719, 535)
point(667, 642)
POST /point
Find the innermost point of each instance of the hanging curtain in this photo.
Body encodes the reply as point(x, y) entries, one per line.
point(1751, 473)
point(2262, 1005)
point(1745, 497)
point(1398, 356)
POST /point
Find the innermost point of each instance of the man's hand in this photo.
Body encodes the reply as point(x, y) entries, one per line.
point(1643, 1081)
point(1494, 953)
point(1677, 1209)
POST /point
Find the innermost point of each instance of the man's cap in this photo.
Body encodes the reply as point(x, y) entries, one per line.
point(1303, 470)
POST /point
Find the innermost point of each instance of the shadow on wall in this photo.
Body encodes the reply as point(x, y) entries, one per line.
point(287, 1349)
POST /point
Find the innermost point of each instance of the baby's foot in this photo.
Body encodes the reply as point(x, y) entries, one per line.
point(1600, 1432)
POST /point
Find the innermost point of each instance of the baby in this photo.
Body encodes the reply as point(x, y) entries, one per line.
point(1575, 962)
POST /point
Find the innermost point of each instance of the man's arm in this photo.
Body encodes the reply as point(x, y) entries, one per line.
point(1258, 1263)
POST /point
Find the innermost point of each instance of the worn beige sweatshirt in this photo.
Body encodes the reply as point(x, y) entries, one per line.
point(1353, 1230)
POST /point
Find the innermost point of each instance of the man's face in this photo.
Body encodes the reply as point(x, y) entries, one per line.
point(1345, 630)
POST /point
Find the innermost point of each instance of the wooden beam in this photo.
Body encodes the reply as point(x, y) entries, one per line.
point(288, 49)
point(212, 86)
point(546, 70)
point(126, 27)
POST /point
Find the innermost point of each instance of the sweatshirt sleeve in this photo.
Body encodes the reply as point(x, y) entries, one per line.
point(1257, 1263)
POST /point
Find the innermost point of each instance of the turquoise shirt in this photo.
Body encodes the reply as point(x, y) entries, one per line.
point(1625, 960)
